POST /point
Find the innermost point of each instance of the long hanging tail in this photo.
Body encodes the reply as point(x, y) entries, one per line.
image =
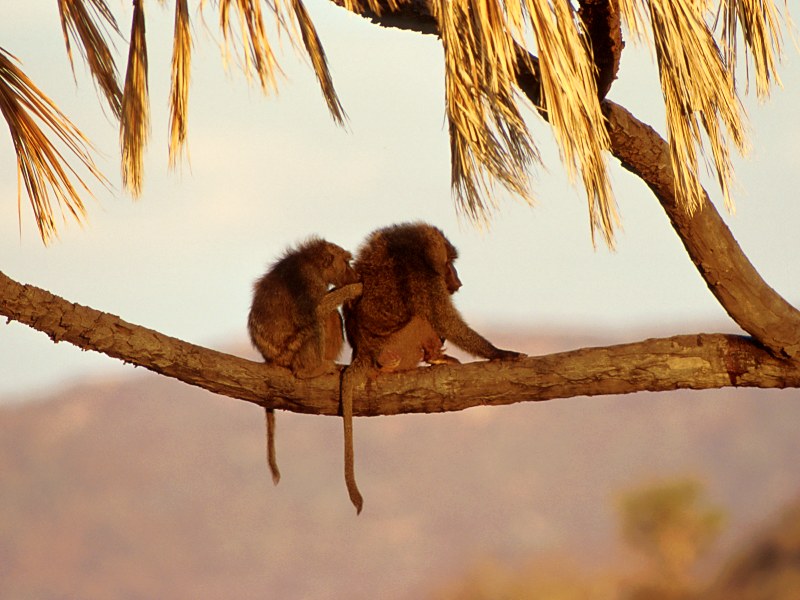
point(350, 376)
point(273, 462)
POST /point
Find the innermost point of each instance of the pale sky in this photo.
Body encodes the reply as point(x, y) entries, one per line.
point(266, 172)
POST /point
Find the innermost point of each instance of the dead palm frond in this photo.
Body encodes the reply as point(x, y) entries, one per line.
point(42, 167)
point(699, 94)
point(88, 22)
point(484, 42)
point(253, 48)
point(759, 20)
point(488, 136)
point(135, 122)
point(699, 97)
point(569, 96)
point(697, 78)
point(179, 87)
point(316, 53)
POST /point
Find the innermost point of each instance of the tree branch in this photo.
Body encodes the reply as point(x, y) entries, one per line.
point(731, 277)
point(413, 15)
point(702, 361)
point(602, 23)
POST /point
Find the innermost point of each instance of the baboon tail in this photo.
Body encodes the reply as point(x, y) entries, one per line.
point(273, 462)
point(350, 377)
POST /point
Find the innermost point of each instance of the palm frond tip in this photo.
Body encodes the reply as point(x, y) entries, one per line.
point(48, 177)
point(253, 44)
point(488, 136)
point(179, 88)
point(759, 24)
point(89, 23)
point(699, 96)
point(316, 53)
point(135, 122)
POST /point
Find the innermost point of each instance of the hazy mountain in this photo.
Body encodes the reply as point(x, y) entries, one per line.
point(148, 488)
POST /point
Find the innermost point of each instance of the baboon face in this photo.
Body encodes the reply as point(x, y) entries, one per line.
point(337, 269)
point(451, 278)
point(442, 255)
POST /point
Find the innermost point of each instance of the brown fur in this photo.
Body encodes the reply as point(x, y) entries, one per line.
point(404, 314)
point(405, 349)
point(294, 321)
point(407, 271)
point(284, 323)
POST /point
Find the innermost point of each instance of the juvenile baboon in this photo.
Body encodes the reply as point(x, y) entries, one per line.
point(404, 314)
point(294, 320)
point(405, 349)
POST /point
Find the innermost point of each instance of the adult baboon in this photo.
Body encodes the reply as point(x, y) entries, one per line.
point(405, 311)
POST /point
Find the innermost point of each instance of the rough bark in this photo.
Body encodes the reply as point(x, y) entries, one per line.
point(602, 23)
point(701, 361)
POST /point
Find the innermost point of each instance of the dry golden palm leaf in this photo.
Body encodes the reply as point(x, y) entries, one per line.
point(569, 96)
point(633, 14)
point(88, 22)
point(316, 53)
point(699, 96)
point(489, 139)
point(41, 167)
point(697, 78)
point(135, 122)
point(760, 29)
point(256, 52)
point(253, 50)
point(179, 87)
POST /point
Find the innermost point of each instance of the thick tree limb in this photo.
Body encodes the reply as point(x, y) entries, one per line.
point(701, 361)
point(731, 277)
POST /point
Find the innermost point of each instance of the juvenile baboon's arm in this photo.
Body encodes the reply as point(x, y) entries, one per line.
point(333, 299)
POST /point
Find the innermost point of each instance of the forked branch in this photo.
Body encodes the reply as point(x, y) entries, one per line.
point(731, 277)
point(746, 297)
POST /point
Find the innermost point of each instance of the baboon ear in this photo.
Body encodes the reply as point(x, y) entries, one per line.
point(328, 257)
